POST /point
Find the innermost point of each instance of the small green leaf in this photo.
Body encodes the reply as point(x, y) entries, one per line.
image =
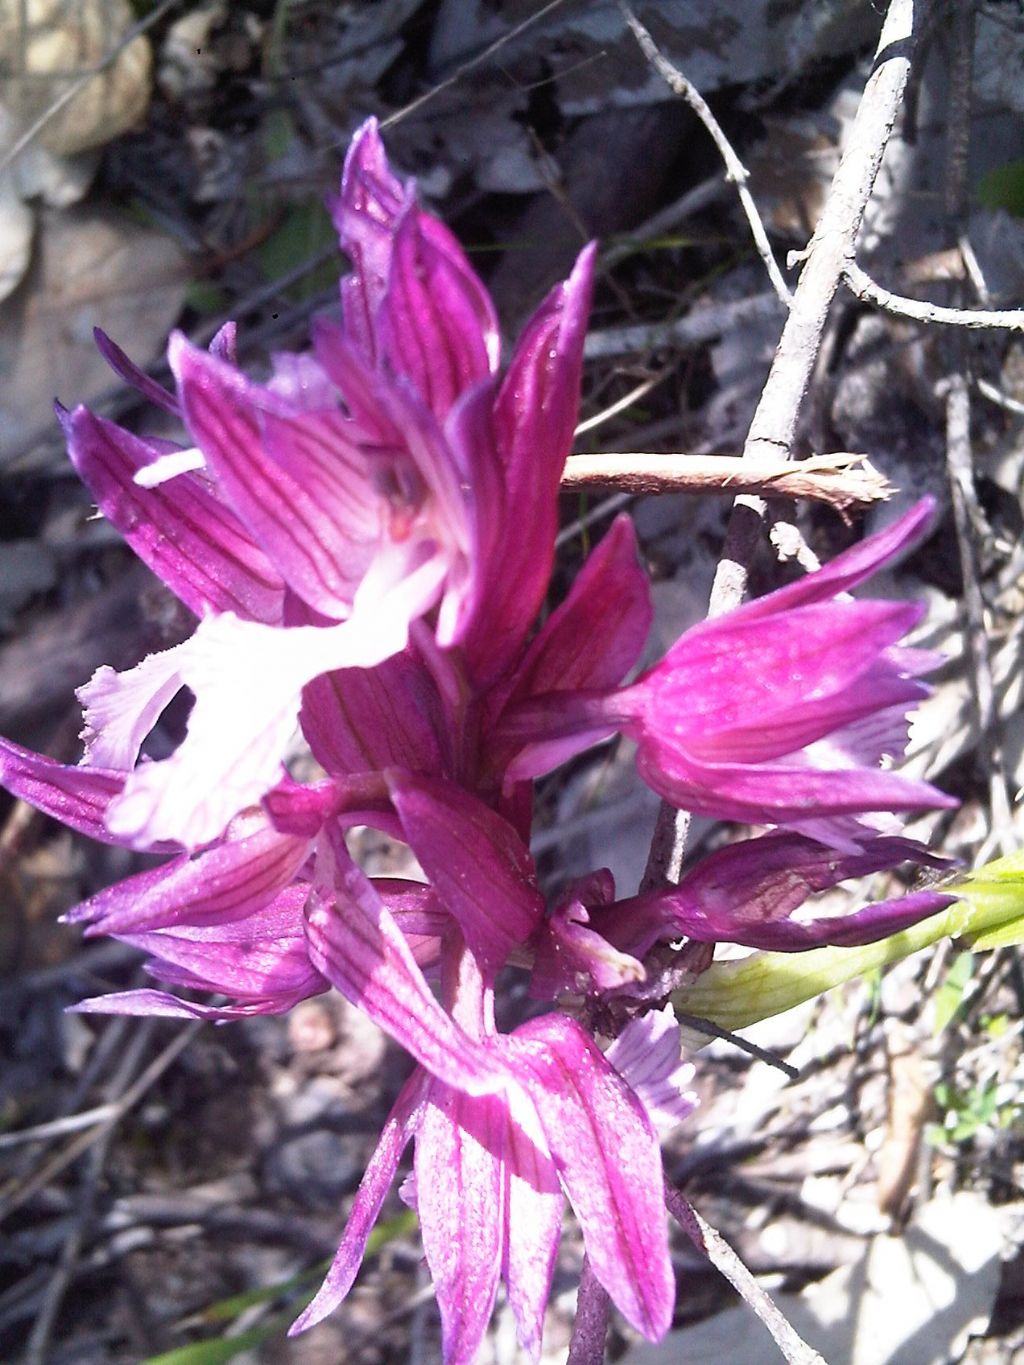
point(949, 996)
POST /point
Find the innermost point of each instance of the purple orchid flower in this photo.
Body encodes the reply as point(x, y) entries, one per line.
point(341, 532)
point(779, 713)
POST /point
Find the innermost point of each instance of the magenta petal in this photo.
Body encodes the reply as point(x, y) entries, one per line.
point(609, 1162)
point(775, 793)
point(132, 375)
point(729, 671)
point(366, 1206)
point(597, 634)
point(365, 720)
point(535, 417)
point(436, 324)
point(848, 569)
point(479, 867)
point(179, 529)
point(160, 1004)
point(359, 948)
point(225, 883)
point(262, 958)
point(460, 1201)
point(569, 957)
point(78, 797)
point(365, 214)
point(221, 408)
point(533, 1218)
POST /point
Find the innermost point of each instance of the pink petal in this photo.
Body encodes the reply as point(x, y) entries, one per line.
point(147, 1003)
point(226, 883)
point(366, 1206)
point(436, 324)
point(224, 412)
point(356, 944)
point(647, 1054)
point(597, 634)
point(479, 867)
point(848, 569)
point(535, 417)
point(78, 797)
point(248, 680)
point(608, 1159)
point(132, 375)
point(533, 1219)
point(365, 215)
point(570, 957)
point(460, 1201)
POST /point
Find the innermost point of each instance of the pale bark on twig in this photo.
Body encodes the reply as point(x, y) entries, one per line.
point(842, 480)
point(862, 286)
point(773, 428)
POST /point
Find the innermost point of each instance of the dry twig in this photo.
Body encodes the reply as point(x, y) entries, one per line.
point(864, 287)
point(842, 480)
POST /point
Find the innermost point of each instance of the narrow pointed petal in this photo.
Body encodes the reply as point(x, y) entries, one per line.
point(533, 1221)
point(78, 797)
point(356, 944)
point(848, 569)
point(460, 1201)
point(775, 793)
point(725, 672)
point(598, 633)
point(436, 324)
point(535, 417)
point(226, 883)
point(132, 375)
point(479, 867)
point(366, 1206)
point(647, 1054)
point(188, 537)
point(147, 1003)
point(365, 214)
point(262, 957)
point(223, 412)
point(609, 1162)
point(748, 892)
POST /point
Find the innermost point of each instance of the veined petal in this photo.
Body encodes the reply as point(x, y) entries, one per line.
point(728, 671)
point(608, 1159)
point(460, 1184)
point(535, 416)
point(356, 944)
point(647, 1054)
point(479, 867)
point(365, 214)
point(597, 634)
point(533, 1227)
point(78, 797)
point(248, 680)
point(120, 709)
point(777, 793)
point(224, 412)
point(147, 1003)
point(370, 1196)
point(226, 883)
point(263, 957)
point(436, 323)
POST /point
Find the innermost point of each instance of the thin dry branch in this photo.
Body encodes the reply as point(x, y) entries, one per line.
point(723, 1258)
point(862, 286)
point(735, 171)
point(773, 427)
point(842, 480)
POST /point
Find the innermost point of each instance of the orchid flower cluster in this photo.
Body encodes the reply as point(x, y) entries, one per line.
point(366, 539)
